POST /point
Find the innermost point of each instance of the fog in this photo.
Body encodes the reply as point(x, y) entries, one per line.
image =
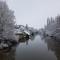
point(34, 12)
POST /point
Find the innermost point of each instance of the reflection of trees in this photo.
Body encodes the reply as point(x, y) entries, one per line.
point(27, 42)
point(32, 37)
point(8, 55)
point(54, 45)
point(24, 40)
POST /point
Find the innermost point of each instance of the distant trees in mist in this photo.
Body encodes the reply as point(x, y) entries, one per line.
point(53, 25)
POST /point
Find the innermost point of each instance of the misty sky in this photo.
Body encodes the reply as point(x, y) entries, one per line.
point(34, 12)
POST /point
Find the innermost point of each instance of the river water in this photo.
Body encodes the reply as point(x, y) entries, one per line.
point(35, 48)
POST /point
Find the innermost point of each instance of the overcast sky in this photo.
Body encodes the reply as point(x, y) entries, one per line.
point(34, 12)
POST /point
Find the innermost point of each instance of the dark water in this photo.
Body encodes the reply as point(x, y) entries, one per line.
point(34, 49)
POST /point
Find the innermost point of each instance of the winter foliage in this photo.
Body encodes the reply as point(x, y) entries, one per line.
point(53, 26)
point(7, 22)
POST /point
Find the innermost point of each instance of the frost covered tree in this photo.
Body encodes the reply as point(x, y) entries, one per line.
point(53, 27)
point(7, 22)
point(58, 21)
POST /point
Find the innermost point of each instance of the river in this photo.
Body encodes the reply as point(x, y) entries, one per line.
point(35, 48)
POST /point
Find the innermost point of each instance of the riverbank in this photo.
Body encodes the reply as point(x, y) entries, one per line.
point(6, 44)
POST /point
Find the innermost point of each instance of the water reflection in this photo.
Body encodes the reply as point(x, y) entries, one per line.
point(53, 45)
point(36, 49)
point(26, 40)
point(32, 37)
point(8, 55)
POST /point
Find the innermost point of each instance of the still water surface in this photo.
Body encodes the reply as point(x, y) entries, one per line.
point(34, 49)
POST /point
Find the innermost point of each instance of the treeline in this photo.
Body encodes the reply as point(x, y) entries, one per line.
point(53, 26)
point(26, 29)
